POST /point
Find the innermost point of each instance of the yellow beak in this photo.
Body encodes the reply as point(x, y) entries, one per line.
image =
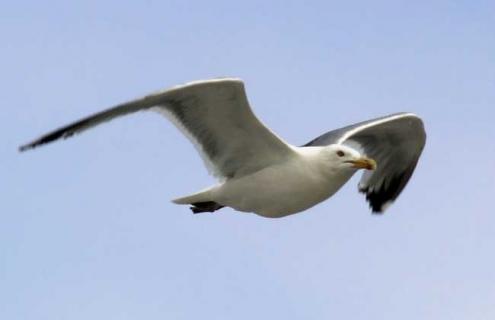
point(364, 163)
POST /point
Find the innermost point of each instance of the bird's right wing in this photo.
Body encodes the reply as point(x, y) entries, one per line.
point(214, 114)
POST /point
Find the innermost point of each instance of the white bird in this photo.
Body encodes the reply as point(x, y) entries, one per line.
point(258, 171)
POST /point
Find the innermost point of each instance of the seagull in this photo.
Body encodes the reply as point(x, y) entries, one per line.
point(259, 172)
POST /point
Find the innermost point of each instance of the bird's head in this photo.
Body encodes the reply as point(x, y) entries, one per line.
point(348, 158)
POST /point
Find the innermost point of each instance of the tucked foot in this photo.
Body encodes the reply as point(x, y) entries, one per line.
point(207, 206)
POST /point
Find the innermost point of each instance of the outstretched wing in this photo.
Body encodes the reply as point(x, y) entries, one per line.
point(395, 142)
point(214, 114)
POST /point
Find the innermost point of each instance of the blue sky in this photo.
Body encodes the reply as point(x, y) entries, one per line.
point(87, 230)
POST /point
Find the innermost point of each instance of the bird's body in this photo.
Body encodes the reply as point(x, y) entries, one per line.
point(291, 186)
point(258, 171)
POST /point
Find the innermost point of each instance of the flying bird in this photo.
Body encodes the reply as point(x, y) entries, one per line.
point(258, 171)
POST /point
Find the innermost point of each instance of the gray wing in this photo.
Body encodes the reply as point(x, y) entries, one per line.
point(214, 114)
point(395, 142)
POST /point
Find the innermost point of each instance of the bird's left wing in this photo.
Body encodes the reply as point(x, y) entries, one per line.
point(395, 142)
point(214, 114)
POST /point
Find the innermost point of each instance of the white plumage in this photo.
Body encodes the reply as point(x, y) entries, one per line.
point(259, 172)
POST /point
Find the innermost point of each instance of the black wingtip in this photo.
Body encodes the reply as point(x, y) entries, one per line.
point(377, 212)
point(62, 133)
point(376, 208)
point(25, 147)
point(29, 146)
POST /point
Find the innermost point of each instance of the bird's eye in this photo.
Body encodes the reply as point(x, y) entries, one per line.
point(340, 153)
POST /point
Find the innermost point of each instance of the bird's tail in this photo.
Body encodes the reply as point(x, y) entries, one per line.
point(201, 196)
point(200, 202)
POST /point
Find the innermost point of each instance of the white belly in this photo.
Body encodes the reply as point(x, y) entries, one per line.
point(280, 190)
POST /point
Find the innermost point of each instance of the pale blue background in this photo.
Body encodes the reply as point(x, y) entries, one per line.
point(87, 230)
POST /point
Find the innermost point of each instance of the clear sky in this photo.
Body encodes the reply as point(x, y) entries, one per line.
point(87, 229)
